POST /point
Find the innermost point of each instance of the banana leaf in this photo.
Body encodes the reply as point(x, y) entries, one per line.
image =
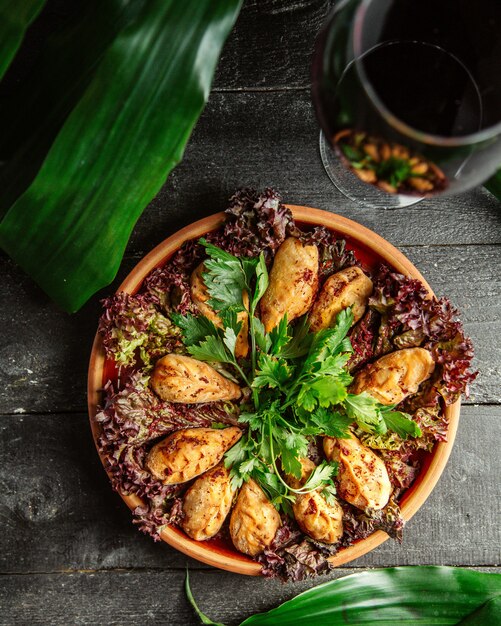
point(34, 111)
point(69, 229)
point(15, 17)
point(424, 595)
point(398, 595)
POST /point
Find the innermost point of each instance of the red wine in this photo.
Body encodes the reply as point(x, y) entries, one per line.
point(434, 65)
point(409, 92)
point(468, 31)
point(424, 86)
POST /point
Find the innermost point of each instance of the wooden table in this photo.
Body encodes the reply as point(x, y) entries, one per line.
point(69, 552)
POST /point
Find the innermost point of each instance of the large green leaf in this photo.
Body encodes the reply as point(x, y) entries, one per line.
point(15, 17)
point(33, 111)
point(399, 595)
point(69, 229)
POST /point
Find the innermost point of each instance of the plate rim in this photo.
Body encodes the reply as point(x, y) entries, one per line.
point(414, 497)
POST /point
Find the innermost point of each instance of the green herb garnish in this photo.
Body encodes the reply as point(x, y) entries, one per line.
point(299, 382)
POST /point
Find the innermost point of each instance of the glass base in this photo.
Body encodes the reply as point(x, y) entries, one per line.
point(353, 188)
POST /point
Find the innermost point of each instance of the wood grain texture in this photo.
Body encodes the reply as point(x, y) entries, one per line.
point(281, 36)
point(59, 513)
point(141, 598)
point(271, 139)
point(44, 352)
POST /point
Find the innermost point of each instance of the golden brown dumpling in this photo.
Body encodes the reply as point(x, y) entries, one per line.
point(362, 478)
point(315, 516)
point(394, 376)
point(207, 503)
point(293, 283)
point(349, 287)
point(254, 520)
point(188, 453)
point(179, 378)
point(200, 295)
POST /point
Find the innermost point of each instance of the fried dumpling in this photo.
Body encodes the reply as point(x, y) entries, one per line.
point(316, 517)
point(293, 283)
point(349, 287)
point(254, 520)
point(179, 378)
point(362, 478)
point(190, 452)
point(207, 503)
point(394, 376)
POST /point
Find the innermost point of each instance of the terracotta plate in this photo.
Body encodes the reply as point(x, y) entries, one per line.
point(370, 249)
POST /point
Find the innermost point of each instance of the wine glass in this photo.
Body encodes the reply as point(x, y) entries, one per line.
point(408, 97)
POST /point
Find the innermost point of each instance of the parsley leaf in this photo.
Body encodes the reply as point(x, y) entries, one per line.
point(290, 462)
point(272, 372)
point(307, 399)
point(321, 475)
point(400, 423)
point(329, 494)
point(334, 366)
point(290, 447)
point(236, 454)
point(253, 419)
point(331, 423)
point(224, 278)
point(195, 329)
point(324, 391)
point(245, 468)
point(301, 341)
point(262, 281)
point(240, 454)
point(364, 410)
point(373, 417)
point(230, 339)
point(330, 341)
point(279, 336)
point(276, 491)
point(212, 349)
point(263, 340)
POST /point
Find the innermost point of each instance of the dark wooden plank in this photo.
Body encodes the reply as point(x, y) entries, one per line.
point(58, 511)
point(271, 139)
point(44, 353)
point(271, 45)
point(142, 598)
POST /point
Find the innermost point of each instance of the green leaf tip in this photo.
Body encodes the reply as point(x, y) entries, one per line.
point(15, 18)
point(203, 618)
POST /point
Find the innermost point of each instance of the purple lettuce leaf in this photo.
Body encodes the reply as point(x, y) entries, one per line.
point(255, 222)
point(409, 317)
point(332, 252)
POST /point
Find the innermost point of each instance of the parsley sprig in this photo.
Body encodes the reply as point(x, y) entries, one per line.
point(299, 382)
point(229, 281)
